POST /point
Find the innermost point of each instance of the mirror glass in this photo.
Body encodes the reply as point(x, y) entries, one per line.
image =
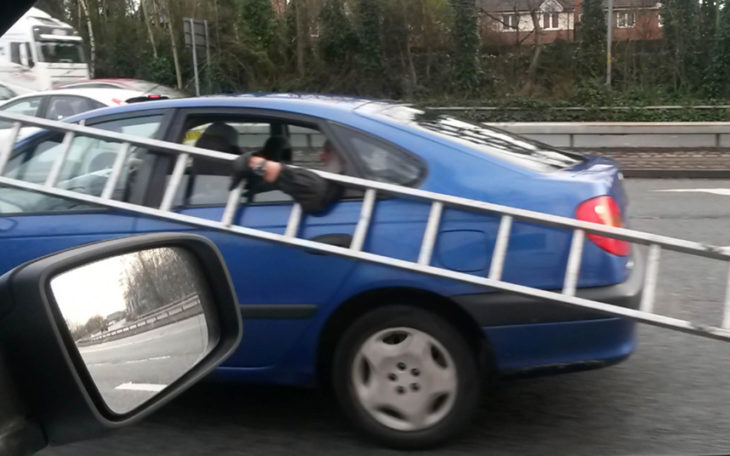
point(137, 320)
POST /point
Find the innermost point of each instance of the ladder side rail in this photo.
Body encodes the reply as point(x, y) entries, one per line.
point(634, 236)
point(112, 136)
point(557, 297)
point(625, 234)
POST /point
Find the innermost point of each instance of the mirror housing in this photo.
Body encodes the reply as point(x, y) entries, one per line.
point(45, 363)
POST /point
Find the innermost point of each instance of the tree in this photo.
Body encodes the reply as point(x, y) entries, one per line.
point(680, 36)
point(719, 63)
point(466, 43)
point(591, 55)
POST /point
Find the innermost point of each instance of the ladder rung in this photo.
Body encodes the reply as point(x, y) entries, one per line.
point(574, 258)
point(361, 230)
point(726, 317)
point(234, 199)
point(429, 236)
point(177, 174)
point(295, 217)
point(8, 146)
point(650, 280)
point(500, 248)
point(55, 172)
point(116, 171)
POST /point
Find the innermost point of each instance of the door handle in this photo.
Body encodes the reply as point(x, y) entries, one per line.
point(336, 239)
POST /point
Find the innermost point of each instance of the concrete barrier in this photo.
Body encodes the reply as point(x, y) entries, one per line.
point(624, 135)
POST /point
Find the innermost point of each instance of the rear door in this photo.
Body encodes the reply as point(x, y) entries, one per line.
point(33, 224)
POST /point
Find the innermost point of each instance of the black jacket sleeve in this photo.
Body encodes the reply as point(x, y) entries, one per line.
point(311, 191)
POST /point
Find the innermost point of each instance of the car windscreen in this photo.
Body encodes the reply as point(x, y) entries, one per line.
point(489, 140)
point(61, 52)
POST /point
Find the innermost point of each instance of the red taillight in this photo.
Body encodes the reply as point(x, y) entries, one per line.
point(604, 210)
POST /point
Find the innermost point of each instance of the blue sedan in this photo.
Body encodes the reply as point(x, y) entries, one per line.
point(406, 355)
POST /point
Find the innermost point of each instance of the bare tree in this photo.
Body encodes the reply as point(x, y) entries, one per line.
point(173, 43)
point(149, 27)
point(534, 8)
point(92, 42)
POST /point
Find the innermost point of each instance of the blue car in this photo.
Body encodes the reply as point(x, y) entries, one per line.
point(406, 355)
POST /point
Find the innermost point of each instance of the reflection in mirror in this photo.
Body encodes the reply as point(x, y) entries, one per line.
point(137, 320)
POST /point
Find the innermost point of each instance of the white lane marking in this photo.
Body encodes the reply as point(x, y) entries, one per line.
point(714, 191)
point(154, 387)
point(131, 361)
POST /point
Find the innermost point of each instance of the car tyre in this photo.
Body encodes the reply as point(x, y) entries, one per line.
point(406, 377)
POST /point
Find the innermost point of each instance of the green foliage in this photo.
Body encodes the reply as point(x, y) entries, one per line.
point(591, 55)
point(419, 50)
point(370, 38)
point(466, 41)
point(338, 42)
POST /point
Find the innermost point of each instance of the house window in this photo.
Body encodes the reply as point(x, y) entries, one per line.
point(550, 21)
point(625, 19)
point(509, 22)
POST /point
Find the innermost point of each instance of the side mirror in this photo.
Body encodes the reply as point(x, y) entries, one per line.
point(99, 336)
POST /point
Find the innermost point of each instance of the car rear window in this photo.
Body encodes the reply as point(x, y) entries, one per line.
point(489, 140)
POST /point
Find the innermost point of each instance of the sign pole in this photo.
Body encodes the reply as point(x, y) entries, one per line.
point(609, 42)
point(195, 58)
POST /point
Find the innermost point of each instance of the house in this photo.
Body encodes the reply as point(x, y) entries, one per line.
point(513, 21)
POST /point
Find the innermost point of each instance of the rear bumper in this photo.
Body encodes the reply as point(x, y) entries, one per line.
point(506, 309)
point(528, 336)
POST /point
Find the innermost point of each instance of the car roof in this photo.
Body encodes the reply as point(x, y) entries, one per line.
point(110, 97)
point(325, 106)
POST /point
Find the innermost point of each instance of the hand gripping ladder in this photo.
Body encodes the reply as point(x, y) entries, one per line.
point(656, 244)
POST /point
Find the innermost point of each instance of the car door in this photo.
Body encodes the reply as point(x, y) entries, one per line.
point(34, 224)
point(279, 287)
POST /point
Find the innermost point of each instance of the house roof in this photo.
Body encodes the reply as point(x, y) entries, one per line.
point(568, 5)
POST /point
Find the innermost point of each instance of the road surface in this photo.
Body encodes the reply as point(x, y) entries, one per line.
point(671, 397)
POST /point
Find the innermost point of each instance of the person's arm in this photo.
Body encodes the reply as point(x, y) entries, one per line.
point(308, 189)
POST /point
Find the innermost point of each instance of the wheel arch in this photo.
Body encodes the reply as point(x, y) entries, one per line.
point(360, 304)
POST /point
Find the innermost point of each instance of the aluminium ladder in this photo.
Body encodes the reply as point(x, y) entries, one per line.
point(567, 296)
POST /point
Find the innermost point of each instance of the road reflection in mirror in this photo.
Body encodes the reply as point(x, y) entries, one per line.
point(137, 320)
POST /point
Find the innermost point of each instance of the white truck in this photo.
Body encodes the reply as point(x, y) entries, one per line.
point(38, 52)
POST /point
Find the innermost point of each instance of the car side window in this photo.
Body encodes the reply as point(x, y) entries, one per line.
point(27, 106)
point(382, 161)
point(85, 170)
point(62, 106)
point(206, 181)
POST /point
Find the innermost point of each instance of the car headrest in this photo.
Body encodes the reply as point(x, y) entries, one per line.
point(219, 136)
point(277, 148)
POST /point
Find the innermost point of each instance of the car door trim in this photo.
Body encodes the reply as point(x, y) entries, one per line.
point(278, 311)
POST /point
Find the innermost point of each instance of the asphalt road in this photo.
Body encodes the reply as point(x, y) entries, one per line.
point(671, 397)
point(129, 371)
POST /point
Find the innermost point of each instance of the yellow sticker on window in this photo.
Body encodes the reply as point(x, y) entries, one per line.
point(192, 135)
